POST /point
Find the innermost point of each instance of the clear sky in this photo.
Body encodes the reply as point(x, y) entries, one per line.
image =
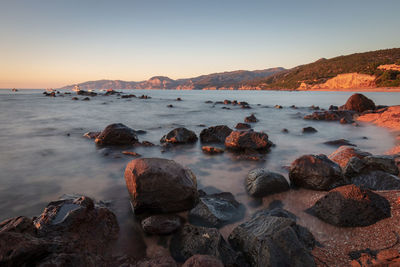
point(51, 43)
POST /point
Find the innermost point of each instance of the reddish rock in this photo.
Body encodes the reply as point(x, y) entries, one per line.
point(92, 135)
point(248, 140)
point(250, 118)
point(212, 150)
point(344, 153)
point(332, 115)
point(131, 153)
point(242, 126)
point(359, 103)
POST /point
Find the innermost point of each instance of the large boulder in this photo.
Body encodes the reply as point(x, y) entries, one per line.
point(315, 172)
point(344, 153)
point(73, 231)
point(216, 210)
point(248, 140)
point(117, 134)
point(377, 180)
point(351, 206)
point(192, 240)
point(161, 224)
point(272, 238)
point(160, 185)
point(359, 103)
point(260, 183)
point(179, 136)
point(215, 134)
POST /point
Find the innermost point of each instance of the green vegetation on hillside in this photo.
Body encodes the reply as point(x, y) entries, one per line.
point(324, 69)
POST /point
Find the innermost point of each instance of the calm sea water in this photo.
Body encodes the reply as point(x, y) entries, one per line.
point(43, 154)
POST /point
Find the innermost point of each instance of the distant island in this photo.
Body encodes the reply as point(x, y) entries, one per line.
point(367, 70)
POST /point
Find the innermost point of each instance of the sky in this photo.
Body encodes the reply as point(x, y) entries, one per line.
point(52, 43)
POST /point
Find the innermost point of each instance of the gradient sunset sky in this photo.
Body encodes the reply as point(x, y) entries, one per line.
point(52, 43)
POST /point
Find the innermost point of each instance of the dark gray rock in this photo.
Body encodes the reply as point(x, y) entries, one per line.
point(161, 224)
point(309, 130)
point(260, 183)
point(179, 136)
point(377, 180)
point(339, 143)
point(203, 261)
point(117, 134)
point(215, 134)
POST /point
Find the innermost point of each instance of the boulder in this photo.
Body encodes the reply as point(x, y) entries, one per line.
point(309, 129)
point(203, 261)
point(163, 261)
point(160, 185)
point(315, 172)
point(248, 140)
point(359, 103)
point(161, 224)
point(215, 134)
point(216, 210)
point(117, 134)
point(192, 240)
point(179, 136)
point(351, 206)
point(250, 118)
point(344, 153)
point(377, 180)
point(272, 238)
point(260, 183)
point(331, 115)
point(242, 126)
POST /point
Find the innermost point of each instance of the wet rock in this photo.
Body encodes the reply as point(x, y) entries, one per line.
point(332, 107)
point(344, 153)
point(351, 206)
point(117, 134)
point(377, 180)
point(131, 153)
point(332, 115)
point(192, 240)
point(212, 150)
point(19, 224)
point(164, 261)
point(215, 134)
point(309, 129)
point(278, 106)
point(144, 97)
point(260, 183)
point(272, 238)
point(160, 186)
point(203, 261)
point(369, 258)
point(128, 96)
point(242, 126)
point(227, 102)
point(383, 163)
point(216, 210)
point(251, 118)
point(86, 93)
point(245, 106)
point(208, 102)
point(92, 135)
point(284, 130)
point(52, 94)
point(178, 99)
point(86, 99)
point(179, 136)
point(315, 172)
point(112, 92)
point(344, 121)
point(170, 106)
point(248, 140)
point(161, 224)
point(359, 103)
point(74, 98)
point(147, 143)
point(339, 143)
point(314, 107)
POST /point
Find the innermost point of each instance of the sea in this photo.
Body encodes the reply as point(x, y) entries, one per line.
point(43, 154)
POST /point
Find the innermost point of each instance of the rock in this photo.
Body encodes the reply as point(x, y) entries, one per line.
point(212, 150)
point(111, 92)
point(216, 210)
point(241, 125)
point(369, 258)
point(179, 136)
point(332, 115)
point(260, 183)
point(203, 261)
point(160, 185)
point(215, 134)
point(164, 261)
point(278, 106)
point(313, 107)
point(309, 130)
point(284, 130)
point(74, 98)
point(170, 106)
point(128, 96)
point(332, 107)
point(344, 121)
point(227, 102)
point(86, 99)
point(344, 153)
point(92, 135)
point(248, 140)
point(178, 99)
point(86, 93)
point(339, 143)
point(250, 118)
point(131, 153)
point(208, 102)
point(147, 144)
point(315, 172)
point(117, 134)
point(377, 180)
point(272, 238)
point(192, 240)
point(161, 224)
point(358, 103)
point(383, 163)
point(144, 97)
point(351, 206)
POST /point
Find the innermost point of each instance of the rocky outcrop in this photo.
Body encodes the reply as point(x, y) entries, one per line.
point(179, 136)
point(116, 135)
point(160, 186)
point(331, 115)
point(351, 206)
point(343, 81)
point(386, 117)
point(248, 140)
point(359, 103)
point(315, 172)
point(216, 210)
point(215, 134)
point(73, 231)
point(272, 238)
point(260, 183)
point(344, 153)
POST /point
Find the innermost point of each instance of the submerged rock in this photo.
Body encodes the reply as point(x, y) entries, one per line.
point(161, 224)
point(251, 118)
point(309, 129)
point(339, 143)
point(260, 183)
point(272, 238)
point(179, 136)
point(242, 126)
point(117, 134)
point(332, 115)
point(160, 185)
point(351, 206)
point(215, 134)
point(315, 172)
point(359, 103)
point(212, 150)
point(216, 210)
point(344, 153)
point(248, 140)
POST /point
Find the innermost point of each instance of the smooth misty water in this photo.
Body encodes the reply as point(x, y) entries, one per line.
point(43, 154)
